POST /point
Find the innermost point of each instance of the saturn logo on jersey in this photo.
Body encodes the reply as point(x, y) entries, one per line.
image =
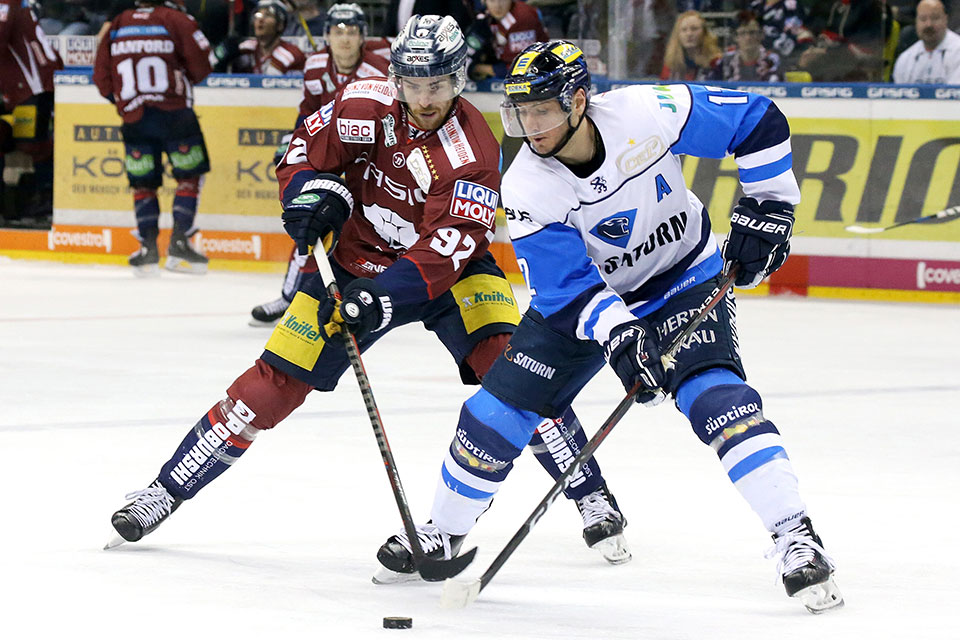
point(476, 202)
point(615, 229)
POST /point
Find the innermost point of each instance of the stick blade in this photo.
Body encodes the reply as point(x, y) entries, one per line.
point(457, 594)
point(855, 228)
point(440, 570)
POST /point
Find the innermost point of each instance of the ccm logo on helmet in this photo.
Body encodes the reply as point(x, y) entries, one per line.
point(474, 202)
point(351, 130)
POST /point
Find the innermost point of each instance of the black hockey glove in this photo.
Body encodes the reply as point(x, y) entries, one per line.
point(226, 52)
point(759, 239)
point(366, 308)
point(633, 353)
point(319, 210)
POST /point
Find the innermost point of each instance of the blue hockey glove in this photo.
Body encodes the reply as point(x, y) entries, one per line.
point(366, 308)
point(633, 353)
point(759, 239)
point(317, 211)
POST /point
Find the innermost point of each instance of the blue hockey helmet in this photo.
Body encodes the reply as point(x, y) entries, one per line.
point(277, 9)
point(543, 71)
point(429, 47)
point(346, 14)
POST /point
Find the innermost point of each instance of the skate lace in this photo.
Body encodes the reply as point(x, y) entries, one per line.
point(431, 538)
point(150, 505)
point(796, 549)
point(595, 508)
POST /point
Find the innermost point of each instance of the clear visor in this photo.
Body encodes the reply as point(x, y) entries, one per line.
point(526, 119)
point(429, 90)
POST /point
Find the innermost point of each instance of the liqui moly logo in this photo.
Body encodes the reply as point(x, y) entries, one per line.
point(80, 239)
point(475, 202)
point(252, 246)
point(940, 278)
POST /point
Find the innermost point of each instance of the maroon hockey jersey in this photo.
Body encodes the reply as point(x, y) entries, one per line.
point(517, 30)
point(151, 57)
point(27, 62)
point(321, 80)
point(431, 200)
point(284, 58)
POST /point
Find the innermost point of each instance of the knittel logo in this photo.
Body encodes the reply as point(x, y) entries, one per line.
point(615, 229)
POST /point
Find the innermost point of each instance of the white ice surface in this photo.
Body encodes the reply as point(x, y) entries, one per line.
point(102, 374)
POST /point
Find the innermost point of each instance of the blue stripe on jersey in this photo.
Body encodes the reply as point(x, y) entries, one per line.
point(690, 278)
point(767, 171)
point(755, 460)
point(769, 132)
point(720, 120)
point(145, 30)
point(595, 316)
point(462, 488)
point(558, 267)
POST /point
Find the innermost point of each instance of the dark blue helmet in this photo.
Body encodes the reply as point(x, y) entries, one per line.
point(346, 14)
point(554, 69)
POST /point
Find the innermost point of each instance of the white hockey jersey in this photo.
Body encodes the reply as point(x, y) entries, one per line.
point(601, 250)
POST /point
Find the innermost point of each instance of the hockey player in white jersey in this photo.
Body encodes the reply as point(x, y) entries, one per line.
point(617, 254)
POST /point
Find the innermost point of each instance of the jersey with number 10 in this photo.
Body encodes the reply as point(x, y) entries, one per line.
point(151, 57)
point(598, 251)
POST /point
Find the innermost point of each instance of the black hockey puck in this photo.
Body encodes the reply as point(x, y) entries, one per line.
point(397, 623)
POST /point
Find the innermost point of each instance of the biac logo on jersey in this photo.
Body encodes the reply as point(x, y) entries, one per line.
point(615, 229)
point(474, 202)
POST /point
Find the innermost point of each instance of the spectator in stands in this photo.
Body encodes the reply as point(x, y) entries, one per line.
point(748, 60)
point(266, 52)
point(692, 50)
point(935, 57)
point(784, 28)
point(498, 34)
point(852, 45)
point(556, 16)
point(313, 15)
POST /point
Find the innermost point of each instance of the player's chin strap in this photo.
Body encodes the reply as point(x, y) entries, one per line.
point(566, 138)
point(457, 594)
point(430, 570)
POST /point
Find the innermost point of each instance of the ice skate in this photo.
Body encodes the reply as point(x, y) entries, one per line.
point(146, 260)
point(149, 508)
point(603, 525)
point(268, 313)
point(396, 557)
point(182, 258)
point(805, 568)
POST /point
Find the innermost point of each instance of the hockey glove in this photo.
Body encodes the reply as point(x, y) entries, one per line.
point(318, 211)
point(759, 239)
point(365, 308)
point(633, 353)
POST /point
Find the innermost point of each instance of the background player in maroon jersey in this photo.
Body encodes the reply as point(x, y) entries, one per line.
point(146, 65)
point(264, 53)
point(347, 56)
point(498, 34)
point(415, 215)
point(27, 64)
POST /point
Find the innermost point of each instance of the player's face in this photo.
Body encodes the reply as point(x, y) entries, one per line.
point(428, 99)
point(499, 8)
point(264, 24)
point(690, 33)
point(541, 123)
point(345, 40)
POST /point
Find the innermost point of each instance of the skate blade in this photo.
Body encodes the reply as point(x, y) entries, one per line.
point(457, 594)
point(261, 323)
point(178, 265)
point(614, 549)
point(115, 542)
point(147, 271)
point(821, 597)
point(386, 576)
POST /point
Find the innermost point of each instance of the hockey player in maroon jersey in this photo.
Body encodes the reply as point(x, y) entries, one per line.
point(27, 64)
point(495, 38)
point(146, 65)
point(347, 56)
point(414, 216)
point(265, 53)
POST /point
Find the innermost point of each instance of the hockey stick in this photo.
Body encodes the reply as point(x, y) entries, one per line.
point(306, 30)
point(457, 594)
point(430, 570)
point(946, 214)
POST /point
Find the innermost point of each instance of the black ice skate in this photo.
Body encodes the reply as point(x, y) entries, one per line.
point(603, 525)
point(149, 508)
point(806, 569)
point(267, 314)
point(146, 261)
point(182, 258)
point(396, 557)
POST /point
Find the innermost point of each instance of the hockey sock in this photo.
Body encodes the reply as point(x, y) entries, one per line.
point(185, 204)
point(147, 209)
point(556, 443)
point(729, 418)
point(210, 448)
point(490, 435)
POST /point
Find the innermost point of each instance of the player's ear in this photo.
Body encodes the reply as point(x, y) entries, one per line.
point(580, 101)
